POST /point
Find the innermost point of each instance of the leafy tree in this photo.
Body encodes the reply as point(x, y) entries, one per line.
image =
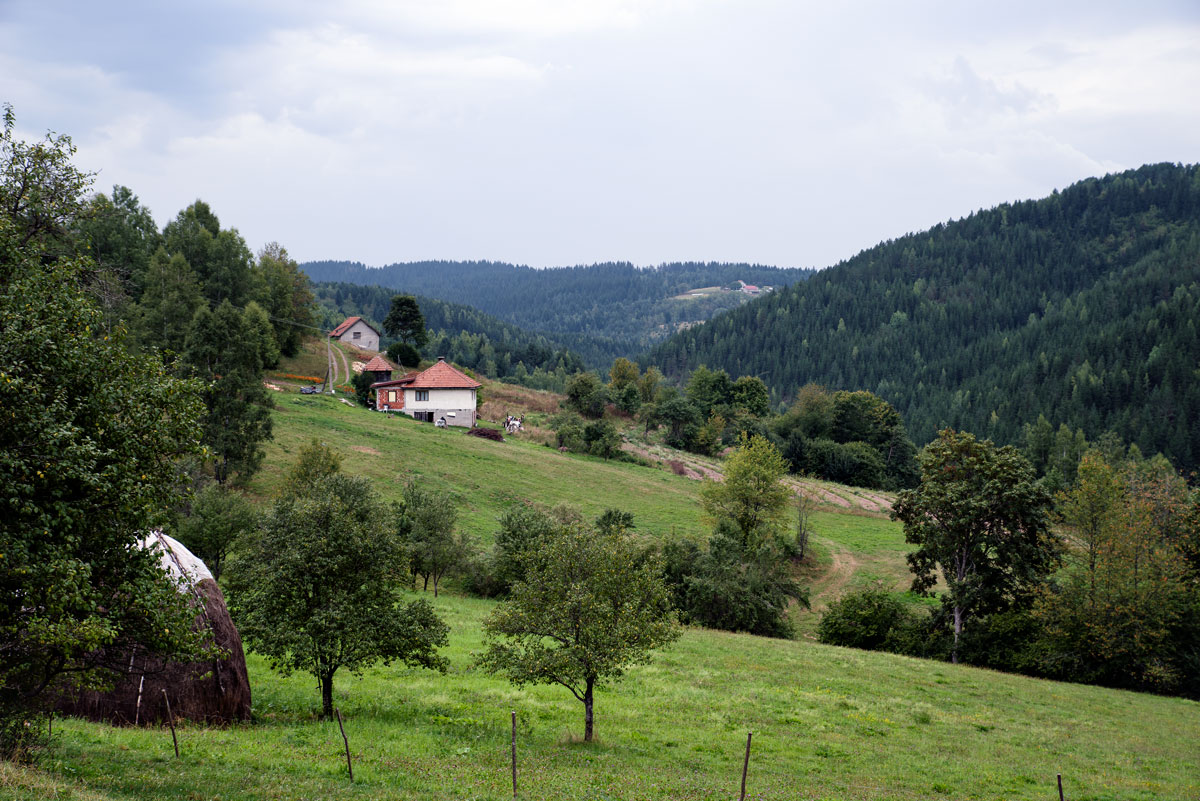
point(222, 350)
point(586, 395)
point(362, 387)
point(648, 385)
point(623, 373)
point(871, 618)
point(405, 322)
point(600, 438)
point(1120, 613)
point(221, 259)
point(589, 607)
point(404, 354)
point(85, 472)
point(285, 293)
point(752, 497)
point(219, 518)
point(522, 531)
point(171, 296)
point(735, 586)
point(980, 518)
point(315, 462)
point(316, 589)
point(751, 395)
point(709, 390)
point(41, 192)
point(425, 522)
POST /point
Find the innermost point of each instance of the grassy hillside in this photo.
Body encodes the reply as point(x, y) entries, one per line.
point(828, 723)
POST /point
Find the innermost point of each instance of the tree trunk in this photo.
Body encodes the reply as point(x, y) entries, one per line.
point(327, 694)
point(587, 712)
point(958, 621)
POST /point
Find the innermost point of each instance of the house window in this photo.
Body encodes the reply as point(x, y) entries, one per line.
point(422, 394)
point(358, 335)
point(391, 396)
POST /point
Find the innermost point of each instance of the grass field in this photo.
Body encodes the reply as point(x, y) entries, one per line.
point(484, 477)
point(828, 723)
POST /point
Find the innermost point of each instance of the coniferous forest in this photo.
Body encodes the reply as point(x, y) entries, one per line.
point(1081, 308)
point(601, 311)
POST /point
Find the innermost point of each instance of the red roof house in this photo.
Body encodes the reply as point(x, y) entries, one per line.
point(357, 332)
point(442, 394)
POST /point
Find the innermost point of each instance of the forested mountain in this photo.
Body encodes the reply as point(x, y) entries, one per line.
point(464, 335)
point(623, 308)
point(1082, 307)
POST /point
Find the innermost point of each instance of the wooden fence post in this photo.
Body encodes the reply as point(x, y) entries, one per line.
point(345, 740)
point(514, 752)
point(1060, 793)
point(171, 721)
point(746, 764)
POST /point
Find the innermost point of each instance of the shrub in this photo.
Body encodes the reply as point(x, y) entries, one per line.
point(871, 618)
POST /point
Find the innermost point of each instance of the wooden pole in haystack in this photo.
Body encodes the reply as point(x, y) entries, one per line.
point(349, 766)
point(746, 764)
point(171, 721)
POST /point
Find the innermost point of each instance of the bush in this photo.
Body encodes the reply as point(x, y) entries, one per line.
point(404, 354)
point(872, 619)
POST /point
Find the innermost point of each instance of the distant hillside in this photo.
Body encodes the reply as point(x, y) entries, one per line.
point(464, 335)
point(623, 308)
point(1082, 306)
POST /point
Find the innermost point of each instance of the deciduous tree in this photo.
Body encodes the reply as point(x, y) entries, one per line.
point(590, 606)
point(982, 521)
point(317, 589)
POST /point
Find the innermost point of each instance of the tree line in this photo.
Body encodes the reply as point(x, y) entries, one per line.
point(1080, 307)
point(463, 335)
point(1098, 582)
point(602, 311)
point(854, 438)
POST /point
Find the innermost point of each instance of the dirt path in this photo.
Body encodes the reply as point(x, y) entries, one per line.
point(843, 565)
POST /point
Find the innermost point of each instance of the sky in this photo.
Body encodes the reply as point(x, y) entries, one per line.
point(560, 132)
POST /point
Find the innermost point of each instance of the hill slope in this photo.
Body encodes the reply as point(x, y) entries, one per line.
point(827, 722)
point(1082, 307)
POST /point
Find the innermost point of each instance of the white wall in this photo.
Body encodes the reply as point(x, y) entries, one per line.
point(440, 399)
point(368, 339)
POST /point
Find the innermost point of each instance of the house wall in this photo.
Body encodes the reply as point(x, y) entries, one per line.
point(367, 338)
point(443, 402)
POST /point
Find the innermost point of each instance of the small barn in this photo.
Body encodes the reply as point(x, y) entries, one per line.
point(357, 332)
point(215, 691)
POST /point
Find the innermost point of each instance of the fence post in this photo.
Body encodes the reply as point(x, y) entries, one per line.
point(349, 766)
point(1060, 793)
point(171, 721)
point(514, 752)
point(746, 764)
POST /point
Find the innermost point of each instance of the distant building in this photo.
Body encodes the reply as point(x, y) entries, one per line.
point(442, 394)
point(357, 332)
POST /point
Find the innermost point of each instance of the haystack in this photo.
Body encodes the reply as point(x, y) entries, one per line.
point(215, 691)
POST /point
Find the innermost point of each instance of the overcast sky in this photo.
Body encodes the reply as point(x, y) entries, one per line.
point(553, 132)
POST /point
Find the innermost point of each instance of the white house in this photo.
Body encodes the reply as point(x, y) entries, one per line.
point(358, 332)
point(442, 394)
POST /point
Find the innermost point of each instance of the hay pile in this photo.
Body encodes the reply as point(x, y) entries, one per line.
point(216, 691)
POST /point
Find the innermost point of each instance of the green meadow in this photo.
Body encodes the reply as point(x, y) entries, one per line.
point(827, 723)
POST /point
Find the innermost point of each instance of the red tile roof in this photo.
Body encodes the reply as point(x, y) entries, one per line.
point(378, 365)
point(443, 376)
point(349, 321)
point(395, 382)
